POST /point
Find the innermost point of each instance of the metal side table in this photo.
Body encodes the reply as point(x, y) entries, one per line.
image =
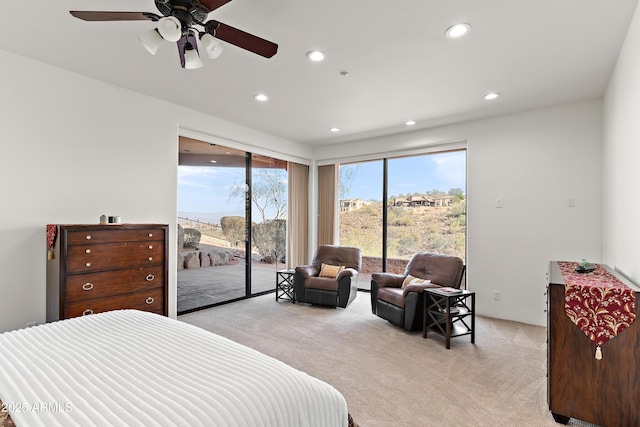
point(449, 314)
point(284, 285)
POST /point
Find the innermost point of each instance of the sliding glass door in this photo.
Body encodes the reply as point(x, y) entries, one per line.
point(424, 209)
point(211, 225)
point(361, 214)
point(268, 221)
point(232, 223)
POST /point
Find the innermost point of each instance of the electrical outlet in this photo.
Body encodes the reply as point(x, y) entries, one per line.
point(496, 295)
point(32, 324)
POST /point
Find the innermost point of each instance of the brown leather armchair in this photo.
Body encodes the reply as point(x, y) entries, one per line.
point(336, 288)
point(402, 306)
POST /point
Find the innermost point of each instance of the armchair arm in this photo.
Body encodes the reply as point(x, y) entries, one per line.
point(308, 271)
point(347, 272)
point(388, 280)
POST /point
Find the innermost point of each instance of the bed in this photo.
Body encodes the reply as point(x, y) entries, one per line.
point(134, 368)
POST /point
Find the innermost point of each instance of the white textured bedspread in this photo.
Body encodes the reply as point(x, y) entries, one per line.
point(132, 368)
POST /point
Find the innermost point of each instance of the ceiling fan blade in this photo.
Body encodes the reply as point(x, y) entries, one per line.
point(91, 15)
point(213, 4)
point(241, 39)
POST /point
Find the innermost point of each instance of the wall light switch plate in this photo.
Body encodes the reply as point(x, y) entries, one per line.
point(498, 203)
point(571, 202)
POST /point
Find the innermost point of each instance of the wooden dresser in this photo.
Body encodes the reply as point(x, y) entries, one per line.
point(604, 392)
point(98, 268)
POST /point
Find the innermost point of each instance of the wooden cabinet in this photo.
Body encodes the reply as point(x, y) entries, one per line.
point(98, 268)
point(603, 392)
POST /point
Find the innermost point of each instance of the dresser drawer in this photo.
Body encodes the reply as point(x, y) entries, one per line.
point(106, 283)
point(152, 300)
point(113, 234)
point(109, 256)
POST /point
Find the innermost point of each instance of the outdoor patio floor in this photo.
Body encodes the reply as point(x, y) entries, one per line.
point(200, 287)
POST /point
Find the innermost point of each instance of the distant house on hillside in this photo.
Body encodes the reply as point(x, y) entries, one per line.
point(444, 201)
point(413, 201)
point(348, 205)
point(422, 200)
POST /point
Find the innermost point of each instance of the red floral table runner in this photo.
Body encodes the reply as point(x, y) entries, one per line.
point(598, 303)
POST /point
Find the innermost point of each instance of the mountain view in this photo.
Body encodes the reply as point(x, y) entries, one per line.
point(438, 229)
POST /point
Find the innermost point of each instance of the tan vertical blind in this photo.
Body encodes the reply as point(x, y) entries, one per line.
point(327, 188)
point(298, 236)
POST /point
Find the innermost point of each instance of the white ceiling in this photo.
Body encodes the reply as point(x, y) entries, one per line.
point(401, 66)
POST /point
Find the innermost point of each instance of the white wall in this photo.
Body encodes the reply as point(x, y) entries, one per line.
point(73, 148)
point(622, 159)
point(535, 161)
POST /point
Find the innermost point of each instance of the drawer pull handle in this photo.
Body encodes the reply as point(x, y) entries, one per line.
point(87, 312)
point(150, 246)
point(150, 277)
point(87, 286)
point(150, 300)
point(88, 237)
point(150, 258)
point(88, 251)
point(88, 264)
point(150, 234)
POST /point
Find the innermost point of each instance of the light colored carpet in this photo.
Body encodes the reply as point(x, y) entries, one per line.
point(390, 377)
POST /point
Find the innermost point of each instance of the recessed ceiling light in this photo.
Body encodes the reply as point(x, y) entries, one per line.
point(316, 55)
point(213, 161)
point(261, 97)
point(335, 129)
point(491, 95)
point(410, 122)
point(457, 31)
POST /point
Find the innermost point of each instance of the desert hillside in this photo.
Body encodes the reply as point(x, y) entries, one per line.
point(411, 229)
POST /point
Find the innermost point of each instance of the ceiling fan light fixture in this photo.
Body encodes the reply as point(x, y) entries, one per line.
point(151, 40)
point(457, 31)
point(191, 58)
point(211, 45)
point(170, 28)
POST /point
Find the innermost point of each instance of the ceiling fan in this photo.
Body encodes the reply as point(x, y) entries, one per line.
point(184, 22)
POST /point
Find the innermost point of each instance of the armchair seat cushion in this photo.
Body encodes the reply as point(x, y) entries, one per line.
point(324, 283)
point(393, 296)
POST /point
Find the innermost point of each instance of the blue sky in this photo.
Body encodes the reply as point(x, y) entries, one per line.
point(410, 174)
point(204, 191)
